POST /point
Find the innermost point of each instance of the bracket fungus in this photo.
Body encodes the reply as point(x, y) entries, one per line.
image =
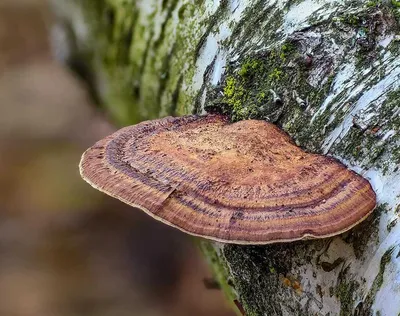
point(243, 183)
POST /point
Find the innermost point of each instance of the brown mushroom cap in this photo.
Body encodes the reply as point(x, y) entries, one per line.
point(243, 182)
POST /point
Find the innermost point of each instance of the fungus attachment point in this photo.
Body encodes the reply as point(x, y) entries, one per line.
point(243, 182)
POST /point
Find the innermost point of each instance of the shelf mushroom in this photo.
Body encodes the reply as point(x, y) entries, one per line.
point(242, 183)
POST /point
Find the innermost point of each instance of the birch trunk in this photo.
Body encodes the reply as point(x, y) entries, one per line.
point(326, 71)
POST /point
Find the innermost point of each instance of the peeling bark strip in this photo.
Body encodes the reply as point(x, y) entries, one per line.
point(335, 66)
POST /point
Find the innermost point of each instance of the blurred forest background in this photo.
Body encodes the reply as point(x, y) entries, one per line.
point(66, 249)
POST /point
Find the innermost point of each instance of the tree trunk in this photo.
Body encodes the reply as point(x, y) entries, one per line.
point(325, 71)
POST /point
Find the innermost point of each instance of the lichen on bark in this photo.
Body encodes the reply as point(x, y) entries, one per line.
point(326, 71)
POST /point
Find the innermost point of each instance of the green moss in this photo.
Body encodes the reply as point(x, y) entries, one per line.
point(275, 75)
point(286, 50)
point(249, 92)
point(230, 87)
point(249, 67)
point(353, 20)
point(247, 89)
point(396, 3)
point(272, 270)
point(345, 292)
point(375, 3)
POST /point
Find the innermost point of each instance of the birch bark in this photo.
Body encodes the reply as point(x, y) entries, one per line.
point(326, 71)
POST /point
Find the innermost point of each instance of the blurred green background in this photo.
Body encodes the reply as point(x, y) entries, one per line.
point(66, 249)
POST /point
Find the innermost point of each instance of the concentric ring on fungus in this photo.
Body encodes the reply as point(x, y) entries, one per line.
point(243, 183)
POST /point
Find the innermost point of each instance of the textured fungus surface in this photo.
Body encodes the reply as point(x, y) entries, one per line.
point(243, 182)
